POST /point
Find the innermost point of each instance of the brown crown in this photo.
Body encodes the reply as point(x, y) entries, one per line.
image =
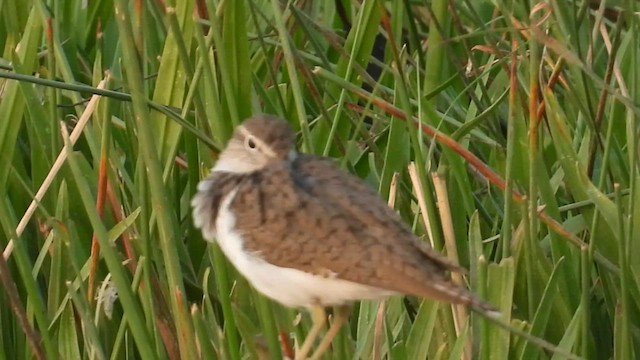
point(274, 132)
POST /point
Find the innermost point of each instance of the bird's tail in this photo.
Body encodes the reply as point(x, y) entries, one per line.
point(482, 307)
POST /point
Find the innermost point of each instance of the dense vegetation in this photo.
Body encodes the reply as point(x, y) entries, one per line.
point(505, 132)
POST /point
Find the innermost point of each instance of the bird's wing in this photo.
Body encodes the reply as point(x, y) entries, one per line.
point(330, 181)
point(323, 221)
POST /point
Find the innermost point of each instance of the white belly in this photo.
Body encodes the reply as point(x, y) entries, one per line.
point(288, 286)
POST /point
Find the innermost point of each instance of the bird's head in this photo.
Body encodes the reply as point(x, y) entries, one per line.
point(257, 142)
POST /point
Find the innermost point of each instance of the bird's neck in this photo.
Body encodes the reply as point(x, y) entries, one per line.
point(233, 166)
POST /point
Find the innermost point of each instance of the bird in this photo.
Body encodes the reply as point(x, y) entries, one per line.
point(308, 234)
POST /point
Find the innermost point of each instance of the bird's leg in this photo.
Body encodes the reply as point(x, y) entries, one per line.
point(319, 317)
point(341, 316)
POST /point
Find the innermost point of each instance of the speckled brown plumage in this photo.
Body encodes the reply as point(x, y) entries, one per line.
point(305, 213)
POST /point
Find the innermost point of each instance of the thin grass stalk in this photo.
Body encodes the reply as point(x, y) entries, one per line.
point(587, 256)
point(296, 87)
point(168, 111)
point(236, 46)
point(223, 287)
point(120, 278)
point(155, 304)
point(273, 78)
point(511, 140)
point(602, 101)
point(571, 58)
point(10, 289)
point(420, 195)
point(633, 229)
point(365, 10)
point(378, 328)
point(269, 326)
point(226, 64)
point(222, 63)
point(75, 134)
point(429, 203)
point(223, 129)
point(207, 67)
point(143, 232)
point(585, 301)
point(533, 137)
point(484, 328)
point(193, 95)
point(476, 101)
point(166, 222)
point(61, 85)
point(208, 313)
point(528, 260)
point(83, 310)
point(436, 51)
point(121, 339)
point(170, 82)
point(205, 350)
point(196, 87)
point(543, 309)
point(100, 205)
point(625, 351)
point(423, 187)
point(138, 21)
point(55, 292)
point(62, 64)
point(52, 93)
point(192, 79)
point(460, 314)
point(190, 141)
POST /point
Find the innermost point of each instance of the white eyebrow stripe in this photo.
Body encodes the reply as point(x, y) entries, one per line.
point(266, 148)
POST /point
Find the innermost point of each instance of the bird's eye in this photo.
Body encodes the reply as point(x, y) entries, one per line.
point(251, 143)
